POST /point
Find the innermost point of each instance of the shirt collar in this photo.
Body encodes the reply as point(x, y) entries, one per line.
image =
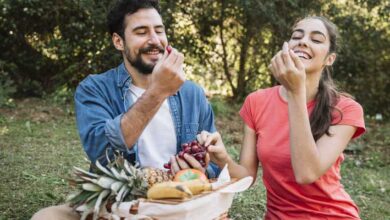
point(122, 75)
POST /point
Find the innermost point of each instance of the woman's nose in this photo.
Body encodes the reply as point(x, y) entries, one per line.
point(303, 41)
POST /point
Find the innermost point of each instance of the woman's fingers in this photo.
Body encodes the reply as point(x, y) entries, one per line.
point(212, 139)
point(202, 137)
point(284, 62)
point(297, 61)
point(275, 68)
point(287, 60)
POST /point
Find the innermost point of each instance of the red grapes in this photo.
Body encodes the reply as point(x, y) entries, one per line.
point(169, 49)
point(194, 149)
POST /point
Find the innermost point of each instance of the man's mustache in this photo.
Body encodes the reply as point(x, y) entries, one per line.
point(150, 48)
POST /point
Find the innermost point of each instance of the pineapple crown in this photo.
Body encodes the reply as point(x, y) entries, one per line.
point(118, 182)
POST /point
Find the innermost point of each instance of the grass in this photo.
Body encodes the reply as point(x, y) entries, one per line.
point(39, 145)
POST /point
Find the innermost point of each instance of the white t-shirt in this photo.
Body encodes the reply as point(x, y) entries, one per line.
point(157, 142)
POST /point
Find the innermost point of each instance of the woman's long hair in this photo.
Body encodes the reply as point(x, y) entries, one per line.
point(327, 95)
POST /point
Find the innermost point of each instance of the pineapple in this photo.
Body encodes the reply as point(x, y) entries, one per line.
point(153, 176)
point(117, 182)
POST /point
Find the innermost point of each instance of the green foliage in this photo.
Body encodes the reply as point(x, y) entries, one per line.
point(71, 44)
point(222, 107)
point(227, 44)
point(364, 59)
point(234, 40)
point(62, 95)
point(7, 87)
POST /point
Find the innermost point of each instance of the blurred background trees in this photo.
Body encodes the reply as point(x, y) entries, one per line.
point(47, 47)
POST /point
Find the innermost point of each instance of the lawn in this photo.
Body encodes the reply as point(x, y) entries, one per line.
point(39, 145)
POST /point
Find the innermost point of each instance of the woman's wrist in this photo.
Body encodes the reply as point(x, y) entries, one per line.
point(223, 161)
point(297, 95)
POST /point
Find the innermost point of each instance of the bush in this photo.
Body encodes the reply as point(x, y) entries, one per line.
point(7, 87)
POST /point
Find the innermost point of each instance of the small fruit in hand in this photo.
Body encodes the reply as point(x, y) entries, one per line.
point(169, 49)
point(190, 174)
point(167, 166)
point(194, 149)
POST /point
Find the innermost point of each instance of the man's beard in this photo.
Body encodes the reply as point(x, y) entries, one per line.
point(137, 61)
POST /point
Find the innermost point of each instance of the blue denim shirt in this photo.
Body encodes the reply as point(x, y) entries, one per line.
point(100, 103)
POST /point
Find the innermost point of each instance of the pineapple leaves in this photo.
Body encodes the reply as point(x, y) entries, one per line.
point(115, 182)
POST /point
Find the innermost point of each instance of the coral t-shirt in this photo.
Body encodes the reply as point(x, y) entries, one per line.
point(267, 114)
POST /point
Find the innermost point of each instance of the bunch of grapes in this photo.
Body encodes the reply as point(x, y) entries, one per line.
point(194, 149)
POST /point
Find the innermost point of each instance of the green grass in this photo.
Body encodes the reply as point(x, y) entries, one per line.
point(39, 145)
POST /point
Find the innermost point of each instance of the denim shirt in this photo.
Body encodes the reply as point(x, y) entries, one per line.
point(100, 104)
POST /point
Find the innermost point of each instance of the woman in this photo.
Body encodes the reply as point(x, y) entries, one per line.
point(298, 130)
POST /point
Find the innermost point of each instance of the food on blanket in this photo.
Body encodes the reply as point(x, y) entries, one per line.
point(190, 174)
point(118, 182)
point(169, 190)
point(194, 149)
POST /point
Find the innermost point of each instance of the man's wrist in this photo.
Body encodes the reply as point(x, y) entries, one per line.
point(156, 94)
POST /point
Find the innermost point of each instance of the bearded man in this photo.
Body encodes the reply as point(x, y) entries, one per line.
point(144, 108)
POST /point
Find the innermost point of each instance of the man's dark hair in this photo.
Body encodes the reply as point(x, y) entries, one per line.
point(121, 8)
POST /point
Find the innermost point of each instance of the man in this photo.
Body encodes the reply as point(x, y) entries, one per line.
point(144, 107)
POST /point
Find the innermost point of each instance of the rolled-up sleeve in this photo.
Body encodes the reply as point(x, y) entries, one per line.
point(98, 123)
point(114, 132)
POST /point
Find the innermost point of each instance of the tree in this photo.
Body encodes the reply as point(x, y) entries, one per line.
point(228, 44)
point(232, 41)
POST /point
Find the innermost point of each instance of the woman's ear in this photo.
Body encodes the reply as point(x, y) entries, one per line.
point(117, 41)
point(330, 59)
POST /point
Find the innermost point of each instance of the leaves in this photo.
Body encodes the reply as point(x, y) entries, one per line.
point(119, 181)
point(227, 44)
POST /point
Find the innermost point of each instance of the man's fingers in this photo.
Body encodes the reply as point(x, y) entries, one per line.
point(178, 63)
point(172, 57)
point(207, 159)
point(193, 162)
point(174, 166)
point(182, 163)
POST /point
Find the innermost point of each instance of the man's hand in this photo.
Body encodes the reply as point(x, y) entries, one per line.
point(168, 74)
point(189, 161)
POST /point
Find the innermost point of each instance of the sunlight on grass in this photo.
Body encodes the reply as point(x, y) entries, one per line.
point(38, 151)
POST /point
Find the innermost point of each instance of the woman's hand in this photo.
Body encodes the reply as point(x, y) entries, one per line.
point(215, 147)
point(288, 70)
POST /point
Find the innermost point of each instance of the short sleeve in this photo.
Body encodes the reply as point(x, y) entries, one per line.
point(246, 112)
point(351, 114)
